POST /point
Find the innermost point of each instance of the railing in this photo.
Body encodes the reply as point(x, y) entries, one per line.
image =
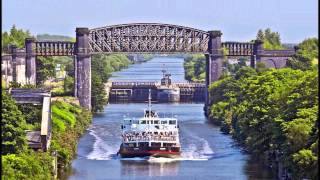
point(149, 138)
point(238, 48)
point(54, 48)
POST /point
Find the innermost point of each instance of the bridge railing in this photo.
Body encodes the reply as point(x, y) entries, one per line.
point(54, 48)
point(238, 48)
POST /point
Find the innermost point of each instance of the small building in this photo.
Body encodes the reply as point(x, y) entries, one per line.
point(37, 139)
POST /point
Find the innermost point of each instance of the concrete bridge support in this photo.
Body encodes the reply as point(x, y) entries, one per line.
point(83, 67)
point(6, 69)
point(19, 65)
point(257, 52)
point(30, 61)
point(214, 60)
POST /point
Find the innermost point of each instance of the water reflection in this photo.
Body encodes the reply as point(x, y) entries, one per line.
point(146, 168)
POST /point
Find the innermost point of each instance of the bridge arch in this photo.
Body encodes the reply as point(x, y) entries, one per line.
point(148, 38)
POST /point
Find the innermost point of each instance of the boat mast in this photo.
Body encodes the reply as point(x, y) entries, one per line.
point(149, 103)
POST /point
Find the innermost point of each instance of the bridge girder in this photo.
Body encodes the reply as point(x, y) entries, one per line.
point(148, 37)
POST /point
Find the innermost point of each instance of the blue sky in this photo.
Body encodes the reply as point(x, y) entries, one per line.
point(239, 20)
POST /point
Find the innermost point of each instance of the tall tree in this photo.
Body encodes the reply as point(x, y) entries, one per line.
point(306, 55)
point(15, 37)
point(260, 35)
point(12, 126)
point(45, 69)
point(271, 39)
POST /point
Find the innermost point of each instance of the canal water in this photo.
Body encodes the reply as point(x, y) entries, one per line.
point(207, 153)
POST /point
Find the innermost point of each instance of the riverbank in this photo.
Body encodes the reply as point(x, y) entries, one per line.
point(273, 114)
point(69, 121)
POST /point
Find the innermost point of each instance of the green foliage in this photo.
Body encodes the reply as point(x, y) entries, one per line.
point(45, 69)
point(305, 164)
point(32, 115)
point(63, 115)
point(12, 126)
point(3, 84)
point(69, 122)
point(306, 55)
point(14, 84)
point(68, 84)
point(14, 37)
point(233, 68)
point(269, 111)
point(101, 68)
point(271, 39)
point(261, 67)
point(28, 165)
point(194, 67)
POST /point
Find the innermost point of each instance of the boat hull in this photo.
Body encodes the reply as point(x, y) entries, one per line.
point(149, 151)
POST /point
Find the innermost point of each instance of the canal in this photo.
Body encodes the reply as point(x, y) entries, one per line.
point(207, 153)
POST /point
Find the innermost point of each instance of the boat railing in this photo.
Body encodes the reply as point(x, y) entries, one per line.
point(131, 138)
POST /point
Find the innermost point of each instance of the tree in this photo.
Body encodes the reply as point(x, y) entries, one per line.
point(45, 69)
point(12, 127)
point(271, 39)
point(68, 84)
point(98, 94)
point(306, 55)
point(260, 35)
point(27, 165)
point(15, 37)
point(271, 111)
point(195, 68)
point(305, 164)
point(260, 66)
point(32, 114)
point(101, 68)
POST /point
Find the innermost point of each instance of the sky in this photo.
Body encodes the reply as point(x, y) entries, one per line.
point(238, 20)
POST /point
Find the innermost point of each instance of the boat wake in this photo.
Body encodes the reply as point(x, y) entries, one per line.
point(194, 148)
point(197, 148)
point(101, 150)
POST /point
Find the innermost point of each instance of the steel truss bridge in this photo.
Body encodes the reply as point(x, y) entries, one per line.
point(20, 65)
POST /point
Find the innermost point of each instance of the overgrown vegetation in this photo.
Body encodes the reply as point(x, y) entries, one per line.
point(12, 126)
point(306, 55)
point(270, 112)
point(27, 165)
point(32, 115)
point(194, 68)
point(19, 162)
point(69, 122)
point(273, 112)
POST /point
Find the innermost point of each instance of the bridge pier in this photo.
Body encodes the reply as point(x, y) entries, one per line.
point(257, 52)
point(214, 60)
point(19, 65)
point(83, 68)
point(6, 69)
point(30, 61)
